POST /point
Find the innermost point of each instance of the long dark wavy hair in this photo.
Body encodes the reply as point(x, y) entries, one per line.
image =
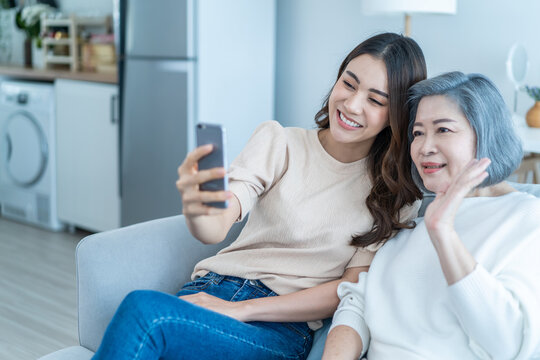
point(388, 160)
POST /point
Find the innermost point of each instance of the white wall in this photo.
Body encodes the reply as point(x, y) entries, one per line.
point(236, 63)
point(87, 7)
point(313, 37)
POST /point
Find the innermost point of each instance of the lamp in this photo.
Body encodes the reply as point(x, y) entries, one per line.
point(408, 7)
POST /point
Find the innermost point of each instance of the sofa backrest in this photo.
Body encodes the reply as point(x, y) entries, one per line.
point(533, 189)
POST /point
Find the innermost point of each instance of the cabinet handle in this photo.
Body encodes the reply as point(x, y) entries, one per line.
point(114, 109)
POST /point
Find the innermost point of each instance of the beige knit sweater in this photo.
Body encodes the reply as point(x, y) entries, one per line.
point(304, 207)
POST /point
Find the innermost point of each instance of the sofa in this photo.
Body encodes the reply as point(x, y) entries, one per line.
point(158, 255)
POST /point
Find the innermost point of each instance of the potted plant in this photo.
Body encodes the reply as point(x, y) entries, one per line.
point(533, 115)
point(28, 20)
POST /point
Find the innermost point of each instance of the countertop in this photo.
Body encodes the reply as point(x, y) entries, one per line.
point(51, 75)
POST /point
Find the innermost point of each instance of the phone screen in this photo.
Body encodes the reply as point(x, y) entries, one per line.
point(213, 134)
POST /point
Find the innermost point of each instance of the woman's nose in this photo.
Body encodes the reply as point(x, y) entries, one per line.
point(354, 104)
point(428, 146)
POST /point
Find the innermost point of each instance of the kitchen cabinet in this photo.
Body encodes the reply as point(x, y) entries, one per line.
point(87, 154)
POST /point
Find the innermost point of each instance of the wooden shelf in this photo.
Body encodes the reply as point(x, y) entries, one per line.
point(51, 41)
point(73, 23)
point(55, 59)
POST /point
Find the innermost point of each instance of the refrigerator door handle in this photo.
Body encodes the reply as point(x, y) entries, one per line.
point(114, 109)
point(115, 121)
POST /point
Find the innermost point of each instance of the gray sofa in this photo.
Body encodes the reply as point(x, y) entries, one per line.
point(159, 255)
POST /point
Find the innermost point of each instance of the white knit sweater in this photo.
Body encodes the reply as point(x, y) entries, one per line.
point(404, 309)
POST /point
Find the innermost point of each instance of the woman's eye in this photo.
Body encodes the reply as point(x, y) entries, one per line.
point(443, 130)
point(375, 101)
point(416, 133)
point(348, 84)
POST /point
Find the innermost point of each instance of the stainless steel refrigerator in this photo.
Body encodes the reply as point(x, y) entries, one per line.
point(161, 96)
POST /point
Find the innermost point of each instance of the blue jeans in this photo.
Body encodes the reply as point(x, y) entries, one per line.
point(154, 325)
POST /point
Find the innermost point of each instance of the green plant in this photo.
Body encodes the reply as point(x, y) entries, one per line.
point(533, 92)
point(28, 19)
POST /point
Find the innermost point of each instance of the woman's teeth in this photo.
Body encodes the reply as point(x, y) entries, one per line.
point(435, 166)
point(348, 122)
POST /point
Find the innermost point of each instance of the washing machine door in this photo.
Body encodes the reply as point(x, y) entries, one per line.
point(25, 148)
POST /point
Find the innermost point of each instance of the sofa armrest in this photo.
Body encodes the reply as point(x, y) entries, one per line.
point(158, 255)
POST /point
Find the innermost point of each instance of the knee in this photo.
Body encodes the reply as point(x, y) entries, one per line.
point(138, 301)
point(137, 297)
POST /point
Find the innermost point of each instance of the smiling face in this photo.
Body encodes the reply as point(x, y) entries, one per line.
point(443, 142)
point(358, 104)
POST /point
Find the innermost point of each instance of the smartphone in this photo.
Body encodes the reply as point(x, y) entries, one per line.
point(213, 134)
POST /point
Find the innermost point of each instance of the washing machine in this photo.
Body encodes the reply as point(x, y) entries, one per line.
point(27, 153)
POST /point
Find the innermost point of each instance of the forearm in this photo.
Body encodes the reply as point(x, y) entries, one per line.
point(212, 229)
point(342, 343)
point(316, 303)
point(456, 261)
point(208, 229)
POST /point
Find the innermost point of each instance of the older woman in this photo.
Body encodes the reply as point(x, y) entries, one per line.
point(465, 283)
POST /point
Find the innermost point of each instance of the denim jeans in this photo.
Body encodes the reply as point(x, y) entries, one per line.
point(154, 325)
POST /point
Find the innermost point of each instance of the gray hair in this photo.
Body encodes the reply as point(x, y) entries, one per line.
point(484, 107)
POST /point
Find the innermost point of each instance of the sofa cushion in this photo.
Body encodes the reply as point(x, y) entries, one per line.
point(319, 339)
point(70, 353)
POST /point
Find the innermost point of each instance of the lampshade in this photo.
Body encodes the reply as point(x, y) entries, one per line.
point(371, 7)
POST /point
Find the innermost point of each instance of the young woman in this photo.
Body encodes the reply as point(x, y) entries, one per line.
point(308, 192)
point(465, 283)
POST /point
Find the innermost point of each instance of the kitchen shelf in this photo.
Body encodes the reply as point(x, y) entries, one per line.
point(58, 59)
point(73, 25)
point(49, 41)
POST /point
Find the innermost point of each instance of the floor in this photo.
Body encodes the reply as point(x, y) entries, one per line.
point(38, 299)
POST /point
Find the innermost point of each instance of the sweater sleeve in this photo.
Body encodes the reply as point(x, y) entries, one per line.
point(363, 256)
point(260, 165)
point(350, 311)
point(508, 304)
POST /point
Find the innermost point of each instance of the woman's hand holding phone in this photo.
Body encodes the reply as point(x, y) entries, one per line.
point(189, 181)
